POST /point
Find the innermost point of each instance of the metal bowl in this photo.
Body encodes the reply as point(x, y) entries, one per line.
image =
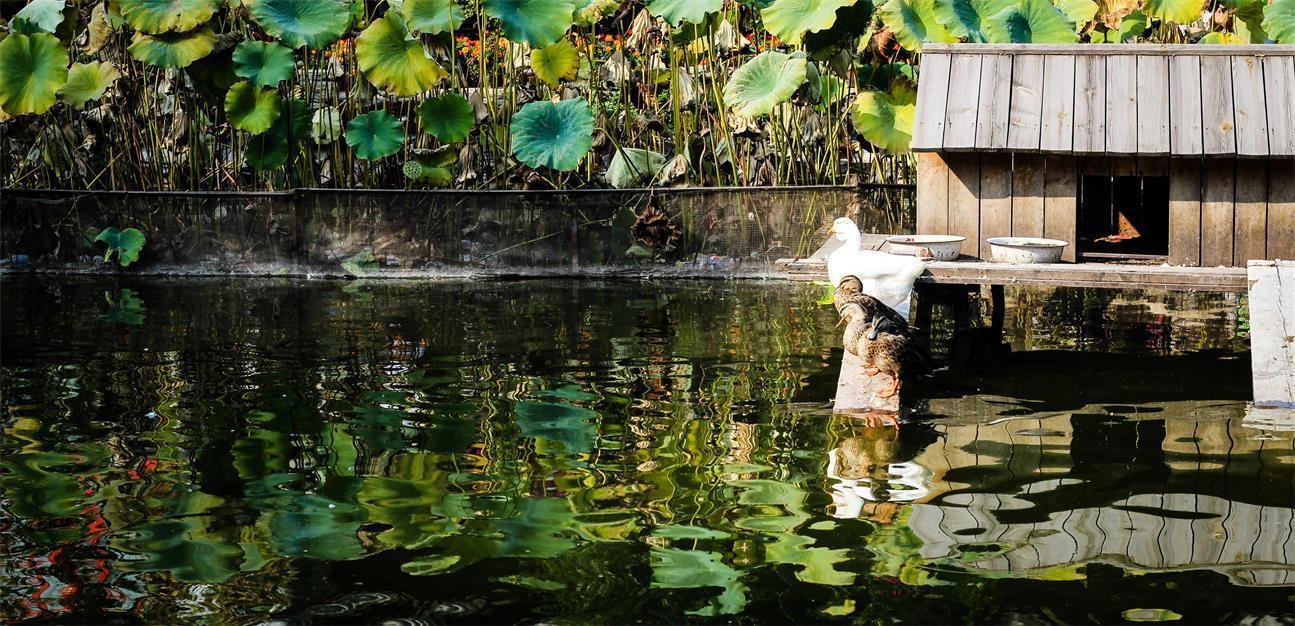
point(1025, 249)
point(941, 247)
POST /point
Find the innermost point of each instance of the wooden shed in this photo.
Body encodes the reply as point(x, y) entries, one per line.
point(1184, 153)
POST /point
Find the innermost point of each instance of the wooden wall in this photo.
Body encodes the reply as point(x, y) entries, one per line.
point(1222, 211)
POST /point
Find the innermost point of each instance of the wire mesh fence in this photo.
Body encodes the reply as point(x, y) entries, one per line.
point(713, 230)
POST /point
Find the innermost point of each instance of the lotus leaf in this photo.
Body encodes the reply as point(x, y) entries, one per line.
point(790, 20)
point(537, 22)
point(32, 70)
point(126, 244)
point(99, 28)
point(395, 61)
point(1079, 12)
point(447, 117)
point(886, 119)
point(555, 62)
point(1279, 21)
point(251, 109)
point(1132, 26)
point(1221, 38)
point(167, 16)
point(1032, 21)
point(375, 135)
point(267, 151)
point(1247, 21)
point(968, 18)
point(764, 82)
point(39, 16)
point(913, 23)
point(433, 169)
point(556, 135)
point(293, 121)
point(297, 23)
point(634, 167)
point(326, 125)
point(88, 81)
point(678, 11)
point(589, 12)
point(1179, 11)
point(173, 50)
point(432, 17)
point(264, 64)
point(851, 23)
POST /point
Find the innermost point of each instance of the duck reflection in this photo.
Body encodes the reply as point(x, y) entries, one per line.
point(872, 466)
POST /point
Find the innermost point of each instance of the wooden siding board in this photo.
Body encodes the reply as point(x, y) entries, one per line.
point(964, 199)
point(1084, 49)
point(1217, 209)
point(1249, 106)
point(1185, 211)
point(932, 96)
point(1185, 105)
point(1217, 120)
point(1057, 130)
point(1028, 217)
point(1026, 105)
point(1251, 213)
point(1122, 104)
point(1281, 209)
point(1153, 105)
point(1090, 104)
point(932, 194)
point(1279, 87)
point(964, 94)
point(995, 199)
point(993, 101)
point(1060, 201)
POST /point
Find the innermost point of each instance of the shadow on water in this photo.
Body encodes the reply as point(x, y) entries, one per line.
point(538, 451)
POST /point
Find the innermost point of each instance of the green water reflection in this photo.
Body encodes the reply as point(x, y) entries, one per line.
point(233, 452)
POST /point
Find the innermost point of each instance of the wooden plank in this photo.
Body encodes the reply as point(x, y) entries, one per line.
point(964, 199)
point(1090, 104)
point(1279, 86)
point(1027, 195)
point(1122, 104)
point(993, 100)
point(1281, 209)
point(1217, 208)
point(1153, 105)
point(1272, 332)
point(1185, 105)
point(960, 112)
point(932, 194)
point(1250, 106)
point(1060, 202)
point(1026, 106)
point(1251, 213)
point(1094, 275)
point(1217, 121)
point(857, 392)
point(1091, 50)
point(995, 199)
point(1185, 211)
point(1057, 131)
point(932, 95)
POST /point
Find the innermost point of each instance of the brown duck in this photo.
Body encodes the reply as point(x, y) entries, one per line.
point(848, 292)
point(881, 344)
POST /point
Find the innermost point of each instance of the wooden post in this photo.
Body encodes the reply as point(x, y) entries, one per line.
point(1272, 332)
point(857, 392)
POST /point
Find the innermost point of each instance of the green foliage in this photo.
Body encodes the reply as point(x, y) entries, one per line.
point(1279, 21)
point(375, 135)
point(914, 22)
point(167, 16)
point(433, 169)
point(447, 117)
point(124, 307)
point(173, 50)
point(1079, 12)
point(326, 125)
point(264, 64)
point(251, 109)
point(126, 244)
point(32, 70)
point(969, 18)
point(360, 263)
point(676, 12)
point(395, 61)
point(87, 82)
point(1178, 11)
point(311, 23)
point(1032, 21)
point(790, 20)
point(634, 167)
point(537, 22)
point(432, 17)
point(556, 62)
point(553, 135)
point(766, 81)
point(886, 119)
point(39, 16)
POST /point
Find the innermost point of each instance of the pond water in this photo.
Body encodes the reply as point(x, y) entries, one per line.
point(581, 452)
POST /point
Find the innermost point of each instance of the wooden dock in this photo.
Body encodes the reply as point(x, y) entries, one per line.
point(1098, 275)
point(1272, 332)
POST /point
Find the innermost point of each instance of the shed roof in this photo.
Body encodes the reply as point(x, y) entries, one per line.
point(1180, 100)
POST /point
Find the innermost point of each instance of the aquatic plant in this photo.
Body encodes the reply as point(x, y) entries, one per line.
point(126, 244)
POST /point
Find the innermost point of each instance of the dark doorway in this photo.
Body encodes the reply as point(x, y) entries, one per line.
point(1123, 217)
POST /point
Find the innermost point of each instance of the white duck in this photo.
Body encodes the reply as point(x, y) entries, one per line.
point(886, 277)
